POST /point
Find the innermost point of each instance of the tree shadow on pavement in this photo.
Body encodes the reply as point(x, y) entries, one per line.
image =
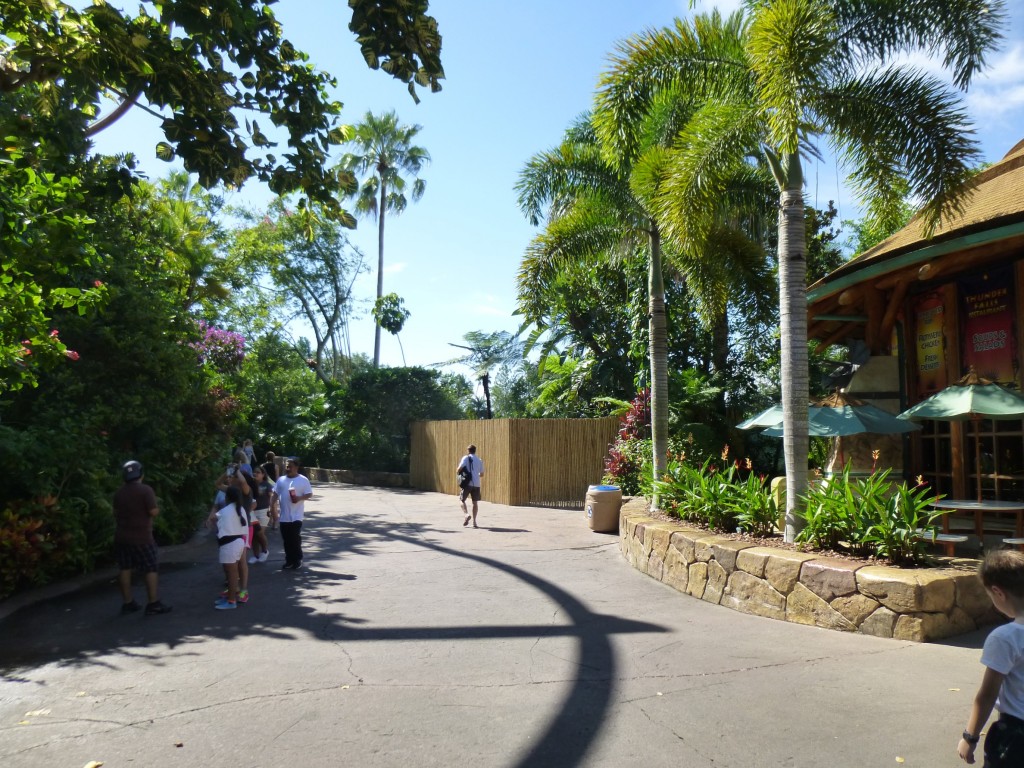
point(85, 628)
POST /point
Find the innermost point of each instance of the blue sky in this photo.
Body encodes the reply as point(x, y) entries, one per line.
point(517, 74)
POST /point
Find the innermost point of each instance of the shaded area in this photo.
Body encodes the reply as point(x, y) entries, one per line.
point(85, 628)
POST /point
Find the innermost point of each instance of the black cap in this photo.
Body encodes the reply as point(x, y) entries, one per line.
point(132, 470)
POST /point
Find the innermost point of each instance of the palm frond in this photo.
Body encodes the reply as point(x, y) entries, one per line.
point(701, 57)
point(898, 125)
point(964, 31)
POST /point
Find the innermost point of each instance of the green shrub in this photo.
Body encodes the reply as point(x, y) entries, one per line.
point(869, 517)
point(723, 500)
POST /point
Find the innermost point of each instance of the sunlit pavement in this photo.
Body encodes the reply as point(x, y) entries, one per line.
point(410, 640)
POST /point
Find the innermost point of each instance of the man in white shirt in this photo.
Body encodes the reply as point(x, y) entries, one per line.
point(475, 465)
point(290, 493)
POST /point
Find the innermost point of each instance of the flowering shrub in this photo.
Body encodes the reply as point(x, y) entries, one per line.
point(221, 349)
point(39, 543)
point(629, 459)
point(722, 499)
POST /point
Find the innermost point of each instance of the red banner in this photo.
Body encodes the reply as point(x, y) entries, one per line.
point(988, 321)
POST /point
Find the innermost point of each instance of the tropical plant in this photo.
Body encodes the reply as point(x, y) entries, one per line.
point(389, 313)
point(384, 155)
point(312, 267)
point(870, 516)
point(484, 353)
point(773, 83)
point(598, 203)
point(200, 70)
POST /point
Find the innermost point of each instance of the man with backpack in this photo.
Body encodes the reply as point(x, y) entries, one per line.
point(471, 469)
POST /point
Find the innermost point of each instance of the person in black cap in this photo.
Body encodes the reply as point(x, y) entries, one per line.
point(134, 546)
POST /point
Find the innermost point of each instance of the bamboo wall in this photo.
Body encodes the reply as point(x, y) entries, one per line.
point(542, 462)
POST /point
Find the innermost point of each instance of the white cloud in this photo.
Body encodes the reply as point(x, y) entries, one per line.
point(1005, 68)
point(491, 306)
point(1000, 89)
point(392, 269)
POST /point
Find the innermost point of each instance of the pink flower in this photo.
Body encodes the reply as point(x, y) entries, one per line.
point(97, 283)
point(71, 354)
point(53, 333)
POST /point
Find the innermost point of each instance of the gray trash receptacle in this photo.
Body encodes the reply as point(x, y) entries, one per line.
point(603, 504)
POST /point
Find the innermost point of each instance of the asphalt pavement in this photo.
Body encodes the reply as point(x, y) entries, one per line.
point(408, 639)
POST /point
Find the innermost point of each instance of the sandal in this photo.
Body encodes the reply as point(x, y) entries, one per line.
point(465, 522)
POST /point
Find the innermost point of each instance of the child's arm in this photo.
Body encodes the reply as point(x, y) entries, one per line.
point(984, 700)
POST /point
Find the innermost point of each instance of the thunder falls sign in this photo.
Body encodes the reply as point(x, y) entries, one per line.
point(987, 318)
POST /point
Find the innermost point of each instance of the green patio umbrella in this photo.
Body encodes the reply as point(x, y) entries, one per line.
point(767, 418)
point(970, 399)
point(835, 416)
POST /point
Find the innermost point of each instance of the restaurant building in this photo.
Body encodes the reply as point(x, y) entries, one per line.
point(927, 310)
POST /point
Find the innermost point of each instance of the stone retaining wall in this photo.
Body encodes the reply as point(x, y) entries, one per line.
point(852, 596)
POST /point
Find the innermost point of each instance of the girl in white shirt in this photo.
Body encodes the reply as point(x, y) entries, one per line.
point(232, 523)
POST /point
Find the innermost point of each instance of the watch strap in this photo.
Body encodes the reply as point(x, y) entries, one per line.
point(970, 738)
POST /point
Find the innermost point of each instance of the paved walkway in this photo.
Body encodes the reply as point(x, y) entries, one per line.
point(409, 640)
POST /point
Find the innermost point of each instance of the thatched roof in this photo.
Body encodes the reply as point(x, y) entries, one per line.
point(861, 299)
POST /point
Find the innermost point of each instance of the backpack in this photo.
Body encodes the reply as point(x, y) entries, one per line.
point(465, 474)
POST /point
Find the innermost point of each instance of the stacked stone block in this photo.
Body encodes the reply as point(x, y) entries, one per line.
point(918, 604)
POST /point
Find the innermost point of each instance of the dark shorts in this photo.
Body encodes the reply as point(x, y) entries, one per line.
point(472, 492)
point(1004, 744)
point(136, 557)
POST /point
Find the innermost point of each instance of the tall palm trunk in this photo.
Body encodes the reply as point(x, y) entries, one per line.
point(793, 317)
point(659, 360)
point(380, 263)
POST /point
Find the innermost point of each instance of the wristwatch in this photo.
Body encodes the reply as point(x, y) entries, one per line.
point(971, 739)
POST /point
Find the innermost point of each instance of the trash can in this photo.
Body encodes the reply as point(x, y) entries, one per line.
point(603, 504)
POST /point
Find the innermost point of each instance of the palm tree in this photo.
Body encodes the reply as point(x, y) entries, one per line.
point(792, 73)
point(385, 154)
point(484, 352)
point(600, 205)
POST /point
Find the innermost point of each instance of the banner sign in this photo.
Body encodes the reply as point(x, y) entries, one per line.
point(988, 323)
point(929, 315)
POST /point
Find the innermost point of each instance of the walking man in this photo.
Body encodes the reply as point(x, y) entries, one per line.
point(134, 546)
point(475, 465)
point(290, 493)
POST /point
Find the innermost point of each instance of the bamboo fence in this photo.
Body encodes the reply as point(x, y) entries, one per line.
point(539, 462)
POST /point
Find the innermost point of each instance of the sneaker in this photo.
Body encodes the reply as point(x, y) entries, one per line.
point(157, 608)
point(131, 607)
point(253, 559)
point(264, 556)
point(243, 596)
point(224, 604)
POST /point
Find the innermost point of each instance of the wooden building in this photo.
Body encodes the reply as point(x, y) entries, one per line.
point(930, 309)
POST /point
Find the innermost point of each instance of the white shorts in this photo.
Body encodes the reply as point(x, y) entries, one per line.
point(262, 516)
point(231, 552)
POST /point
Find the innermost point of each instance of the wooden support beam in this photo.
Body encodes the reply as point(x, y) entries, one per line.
point(929, 271)
point(851, 296)
point(842, 318)
point(899, 293)
point(839, 333)
point(874, 303)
